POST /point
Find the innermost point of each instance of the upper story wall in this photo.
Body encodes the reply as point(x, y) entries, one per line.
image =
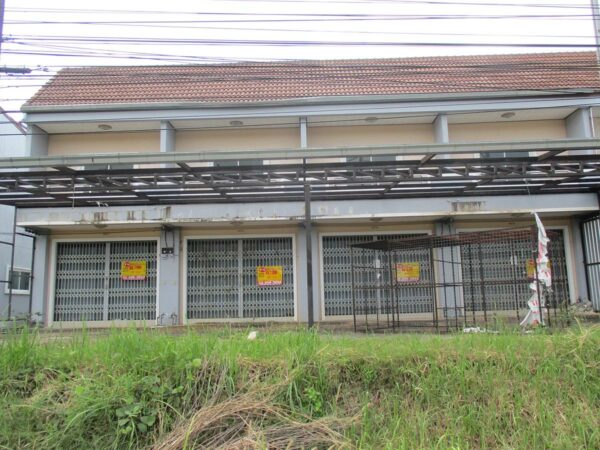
point(503, 131)
point(237, 139)
point(359, 135)
point(95, 143)
point(256, 138)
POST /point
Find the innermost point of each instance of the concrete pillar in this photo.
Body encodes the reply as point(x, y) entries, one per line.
point(579, 291)
point(579, 124)
point(167, 137)
point(448, 271)
point(169, 275)
point(303, 133)
point(302, 296)
point(36, 141)
point(40, 280)
point(440, 129)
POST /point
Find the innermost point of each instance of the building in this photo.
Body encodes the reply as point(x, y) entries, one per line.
point(13, 143)
point(230, 192)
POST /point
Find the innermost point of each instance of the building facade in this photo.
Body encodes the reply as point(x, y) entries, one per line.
point(172, 195)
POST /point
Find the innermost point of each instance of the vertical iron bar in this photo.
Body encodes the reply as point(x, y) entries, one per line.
point(433, 288)
point(482, 285)
point(353, 287)
point(472, 281)
point(454, 286)
point(392, 296)
point(12, 263)
point(309, 274)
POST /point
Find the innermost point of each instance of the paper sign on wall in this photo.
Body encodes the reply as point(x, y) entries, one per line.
point(531, 268)
point(406, 272)
point(269, 275)
point(133, 270)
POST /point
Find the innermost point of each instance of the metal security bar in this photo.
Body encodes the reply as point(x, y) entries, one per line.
point(222, 283)
point(88, 285)
point(267, 301)
point(498, 261)
point(80, 284)
point(591, 244)
point(337, 275)
point(132, 299)
point(213, 279)
point(447, 282)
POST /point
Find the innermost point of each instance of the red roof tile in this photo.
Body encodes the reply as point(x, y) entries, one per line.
point(271, 81)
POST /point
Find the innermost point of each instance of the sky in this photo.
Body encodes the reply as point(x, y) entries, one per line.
point(45, 36)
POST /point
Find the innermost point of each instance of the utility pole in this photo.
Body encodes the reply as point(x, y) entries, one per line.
point(596, 17)
point(1, 24)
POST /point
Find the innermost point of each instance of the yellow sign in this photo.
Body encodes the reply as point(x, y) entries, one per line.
point(269, 275)
point(406, 272)
point(531, 268)
point(133, 270)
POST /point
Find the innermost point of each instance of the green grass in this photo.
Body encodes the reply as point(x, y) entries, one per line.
point(130, 388)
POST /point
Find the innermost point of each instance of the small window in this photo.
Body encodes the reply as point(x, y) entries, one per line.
point(21, 281)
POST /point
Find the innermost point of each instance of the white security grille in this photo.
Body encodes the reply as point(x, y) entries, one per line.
point(337, 276)
point(88, 284)
point(591, 242)
point(221, 278)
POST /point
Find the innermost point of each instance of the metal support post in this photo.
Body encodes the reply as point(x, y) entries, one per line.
point(12, 264)
point(309, 273)
point(30, 307)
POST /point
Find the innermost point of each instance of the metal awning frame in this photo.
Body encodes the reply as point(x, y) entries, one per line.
point(89, 181)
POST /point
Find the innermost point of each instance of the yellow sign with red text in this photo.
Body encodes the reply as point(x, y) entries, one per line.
point(134, 270)
point(269, 275)
point(408, 272)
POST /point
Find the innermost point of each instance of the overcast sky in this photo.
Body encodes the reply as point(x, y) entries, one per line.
point(45, 35)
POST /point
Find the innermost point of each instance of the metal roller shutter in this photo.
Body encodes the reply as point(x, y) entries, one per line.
point(221, 278)
point(88, 284)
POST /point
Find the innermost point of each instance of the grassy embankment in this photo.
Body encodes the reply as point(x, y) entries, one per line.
point(140, 389)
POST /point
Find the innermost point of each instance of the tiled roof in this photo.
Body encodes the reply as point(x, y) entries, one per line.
point(272, 81)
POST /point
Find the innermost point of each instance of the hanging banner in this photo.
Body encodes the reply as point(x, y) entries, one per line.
point(541, 268)
point(531, 268)
point(134, 270)
point(269, 275)
point(407, 272)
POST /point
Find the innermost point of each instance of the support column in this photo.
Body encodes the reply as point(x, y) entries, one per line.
point(39, 281)
point(169, 275)
point(579, 124)
point(440, 129)
point(303, 132)
point(167, 137)
point(450, 297)
point(302, 275)
point(36, 141)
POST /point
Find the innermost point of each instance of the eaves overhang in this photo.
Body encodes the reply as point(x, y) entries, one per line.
point(368, 105)
point(303, 101)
